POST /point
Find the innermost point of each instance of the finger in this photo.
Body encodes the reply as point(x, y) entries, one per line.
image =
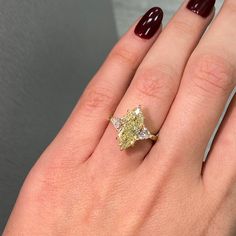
point(156, 81)
point(89, 119)
point(208, 81)
point(220, 168)
point(224, 221)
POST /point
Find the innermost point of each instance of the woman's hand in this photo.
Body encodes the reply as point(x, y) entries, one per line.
point(84, 185)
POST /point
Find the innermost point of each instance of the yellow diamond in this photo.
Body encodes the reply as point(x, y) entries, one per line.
point(132, 125)
point(131, 128)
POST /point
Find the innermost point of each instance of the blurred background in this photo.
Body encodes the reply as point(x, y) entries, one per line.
point(127, 11)
point(49, 50)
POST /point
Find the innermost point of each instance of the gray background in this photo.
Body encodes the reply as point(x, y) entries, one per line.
point(49, 49)
point(127, 11)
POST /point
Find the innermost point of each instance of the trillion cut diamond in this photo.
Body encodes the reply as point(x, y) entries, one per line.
point(117, 122)
point(144, 134)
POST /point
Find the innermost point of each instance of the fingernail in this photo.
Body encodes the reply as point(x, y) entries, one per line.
point(150, 23)
point(201, 7)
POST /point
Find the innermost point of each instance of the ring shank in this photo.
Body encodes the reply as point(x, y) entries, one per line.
point(154, 137)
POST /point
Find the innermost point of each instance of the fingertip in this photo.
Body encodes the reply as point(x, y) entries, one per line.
point(150, 23)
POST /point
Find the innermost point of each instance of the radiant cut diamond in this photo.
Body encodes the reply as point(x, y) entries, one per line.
point(131, 128)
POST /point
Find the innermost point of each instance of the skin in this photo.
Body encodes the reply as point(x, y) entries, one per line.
point(84, 185)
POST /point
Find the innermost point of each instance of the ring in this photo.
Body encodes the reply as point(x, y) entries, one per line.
point(131, 128)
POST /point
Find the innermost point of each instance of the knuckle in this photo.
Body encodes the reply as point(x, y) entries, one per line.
point(155, 82)
point(124, 55)
point(212, 74)
point(183, 27)
point(52, 180)
point(95, 98)
point(230, 7)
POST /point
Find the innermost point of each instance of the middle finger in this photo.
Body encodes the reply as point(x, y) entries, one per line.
point(207, 83)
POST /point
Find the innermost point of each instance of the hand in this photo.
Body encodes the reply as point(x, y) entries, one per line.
point(84, 185)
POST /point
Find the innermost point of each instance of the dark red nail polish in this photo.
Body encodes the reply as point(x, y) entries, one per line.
point(150, 23)
point(201, 7)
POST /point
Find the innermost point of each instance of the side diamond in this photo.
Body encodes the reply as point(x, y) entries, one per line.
point(117, 122)
point(144, 134)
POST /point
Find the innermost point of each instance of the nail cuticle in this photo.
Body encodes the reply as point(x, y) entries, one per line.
point(201, 7)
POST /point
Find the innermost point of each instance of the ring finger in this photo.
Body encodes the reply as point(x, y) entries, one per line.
point(156, 81)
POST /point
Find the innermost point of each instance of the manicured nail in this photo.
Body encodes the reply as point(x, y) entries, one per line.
point(201, 7)
point(150, 23)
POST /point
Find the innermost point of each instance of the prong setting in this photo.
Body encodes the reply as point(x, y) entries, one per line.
point(131, 128)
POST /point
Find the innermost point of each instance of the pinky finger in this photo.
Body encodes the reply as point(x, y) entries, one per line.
point(220, 169)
